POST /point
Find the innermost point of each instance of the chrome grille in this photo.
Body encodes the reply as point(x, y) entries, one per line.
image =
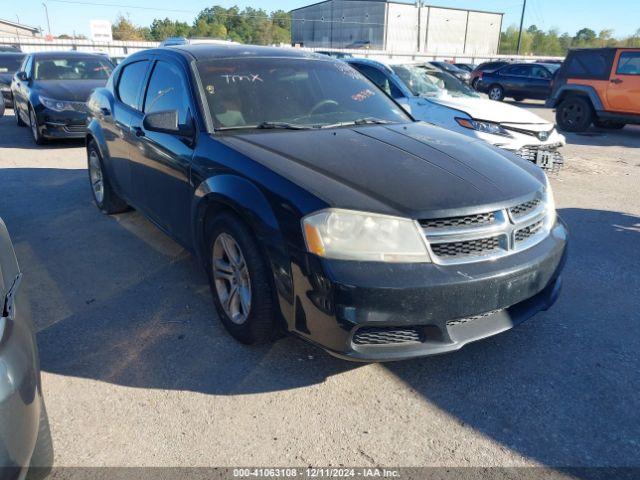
point(530, 153)
point(477, 219)
point(387, 335)
point(485, 236)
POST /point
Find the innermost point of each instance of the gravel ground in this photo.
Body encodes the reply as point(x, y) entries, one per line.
point(138, 372)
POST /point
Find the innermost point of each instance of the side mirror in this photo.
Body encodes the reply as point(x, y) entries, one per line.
point(167, 122)
point(22, 76)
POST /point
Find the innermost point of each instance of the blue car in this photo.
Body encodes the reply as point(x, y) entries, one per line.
point(519, 81)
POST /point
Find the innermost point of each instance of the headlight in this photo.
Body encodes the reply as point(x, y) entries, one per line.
point(57, 105)
point(484, 127)
point(352, 235)
point(551, 205)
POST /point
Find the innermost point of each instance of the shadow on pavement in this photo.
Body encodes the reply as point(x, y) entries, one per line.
point(117, 301)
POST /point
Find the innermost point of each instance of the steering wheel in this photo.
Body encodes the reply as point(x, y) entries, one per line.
point(322, 103)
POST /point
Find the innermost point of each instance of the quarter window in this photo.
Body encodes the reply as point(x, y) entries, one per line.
point(167, 92)
point(589, 64)
point(629, 63)
point(131, 80)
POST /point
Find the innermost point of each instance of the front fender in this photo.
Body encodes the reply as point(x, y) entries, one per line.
point(249, 203)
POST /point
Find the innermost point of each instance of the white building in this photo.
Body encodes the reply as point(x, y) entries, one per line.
point(13, 29)
point(396, 27)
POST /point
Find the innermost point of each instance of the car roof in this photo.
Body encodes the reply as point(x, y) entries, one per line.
point(210, 52)
point(12, 54)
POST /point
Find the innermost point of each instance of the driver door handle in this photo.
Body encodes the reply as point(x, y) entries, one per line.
point(138, 131)
point(616, 80)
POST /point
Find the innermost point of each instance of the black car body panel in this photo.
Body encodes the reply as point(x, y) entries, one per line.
point(519, 80)
point(20, 389)
point(27, 93)
point(272, 179)
point(9, 65)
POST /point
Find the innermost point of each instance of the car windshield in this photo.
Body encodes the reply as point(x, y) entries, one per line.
point(449, 83)
point(88, 68)
point(416, 81)
point(10, 63)
point(246, 93)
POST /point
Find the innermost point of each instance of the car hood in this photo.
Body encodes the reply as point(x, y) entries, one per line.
point(490, 110)
point(415, 170)
point(69, 90)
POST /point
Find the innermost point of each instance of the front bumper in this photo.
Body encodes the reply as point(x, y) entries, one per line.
point(7, 98)
point(359, 311)
point(67, 124)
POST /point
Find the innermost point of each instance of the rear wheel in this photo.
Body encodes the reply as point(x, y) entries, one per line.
point(35, 129)
point(106, 199)
point(16, 112)
point(496, 92)
point(574, 114)
point(609, 125)
point(239, 279)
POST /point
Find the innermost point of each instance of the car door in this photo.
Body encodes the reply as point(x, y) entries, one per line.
point(539, 82)
point(21, 87)
point(162, 160)
point(512, 79)
point(623, 91)
point(117, 125)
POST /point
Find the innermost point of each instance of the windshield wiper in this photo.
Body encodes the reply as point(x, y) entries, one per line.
point(267, 125)
point(359, 121)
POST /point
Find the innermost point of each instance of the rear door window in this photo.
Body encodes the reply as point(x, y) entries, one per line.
point(629, 63)
point(130, 83)
point(590, 64)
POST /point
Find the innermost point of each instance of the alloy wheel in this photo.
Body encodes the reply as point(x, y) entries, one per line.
point(231, 276)
point(95, 175)
point(495, 93)
point(34, 124)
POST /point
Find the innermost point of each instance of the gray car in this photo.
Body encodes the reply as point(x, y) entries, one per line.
point(25, 439)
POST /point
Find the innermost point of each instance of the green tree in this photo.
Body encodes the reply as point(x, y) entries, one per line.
point(124, 29)
point(163, 29)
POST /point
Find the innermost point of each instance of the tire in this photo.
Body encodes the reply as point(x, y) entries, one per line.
point(2, 108)
point(42, 458)
point(228, 237)
point(105, 198)
point(474, 83)
point(16, 112)
point(496, 92)
point(518, 98)
point(609, 125)
point(574, 114)
point(35, 130)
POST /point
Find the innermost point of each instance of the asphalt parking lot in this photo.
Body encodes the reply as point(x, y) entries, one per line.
point(138, 372)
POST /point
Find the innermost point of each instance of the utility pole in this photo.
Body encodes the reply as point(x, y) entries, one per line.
point(524, 5)
point(46, 11)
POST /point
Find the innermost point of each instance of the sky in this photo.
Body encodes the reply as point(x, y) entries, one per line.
point(623, 16)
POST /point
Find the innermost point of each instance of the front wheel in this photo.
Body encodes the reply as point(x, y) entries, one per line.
point(16, 112)
point(496, 92)
point(106, 199)
point(35, 129)
point(239, 279)
point(574, 114)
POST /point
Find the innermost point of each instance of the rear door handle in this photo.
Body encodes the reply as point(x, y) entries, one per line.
point(616, 80)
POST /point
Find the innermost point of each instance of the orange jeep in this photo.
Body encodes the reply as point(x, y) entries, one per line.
point(599, 86)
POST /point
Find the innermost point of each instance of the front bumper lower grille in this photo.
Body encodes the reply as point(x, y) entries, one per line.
point(387, 336)
point(489, 235)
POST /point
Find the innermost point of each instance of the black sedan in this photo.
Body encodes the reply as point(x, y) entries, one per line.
point(9, 64)
point(51, 90)
point(25, 439)
point(519, 81)
point(317, 206)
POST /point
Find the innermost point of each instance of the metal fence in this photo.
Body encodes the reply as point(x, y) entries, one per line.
point(124, 48)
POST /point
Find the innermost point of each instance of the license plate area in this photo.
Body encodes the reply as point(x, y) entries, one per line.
point(544, 159)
